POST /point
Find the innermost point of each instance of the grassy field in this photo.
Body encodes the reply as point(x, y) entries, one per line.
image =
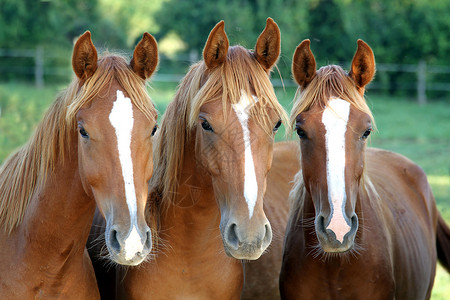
point(422, 133)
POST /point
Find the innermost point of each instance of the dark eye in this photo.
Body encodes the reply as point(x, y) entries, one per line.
point(366, 134)
point(83, 132)
point(154, 130)
point(275, 129)
point(301, 133)
point(206, 126)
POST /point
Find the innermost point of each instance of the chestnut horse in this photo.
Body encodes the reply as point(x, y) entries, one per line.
point(93, 147)
point(211, 161)
point(363, 223)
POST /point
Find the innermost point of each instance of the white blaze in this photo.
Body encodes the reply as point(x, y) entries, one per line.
point(335, 118)
point(133, 244)
point(121, 118)
point(250, 184)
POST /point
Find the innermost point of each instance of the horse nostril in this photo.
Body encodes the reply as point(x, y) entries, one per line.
point(321, 223)
point(148, 240)
point(354, 221)
point(231, 236)
point(114, 241)
point(267, 234)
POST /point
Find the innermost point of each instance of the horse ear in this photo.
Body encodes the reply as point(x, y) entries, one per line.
point(363, 66)
point(267, 49)
point(303, 64)
point(145, 56)
point(216, 48)
point(84, 57)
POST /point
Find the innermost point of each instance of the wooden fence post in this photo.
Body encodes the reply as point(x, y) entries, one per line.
point(39, 67)
point(422, 82)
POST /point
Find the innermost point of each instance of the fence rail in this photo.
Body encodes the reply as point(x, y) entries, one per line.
point(38, 70)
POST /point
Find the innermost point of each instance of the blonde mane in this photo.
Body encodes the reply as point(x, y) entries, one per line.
point(330, 81)
point(240, 71)
point(26, 171)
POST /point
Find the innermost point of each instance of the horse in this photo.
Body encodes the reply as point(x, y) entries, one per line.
point(363, 222)
point(211, 161)
point(92, 148)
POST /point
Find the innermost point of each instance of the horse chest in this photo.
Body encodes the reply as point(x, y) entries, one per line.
point(344, 280)
point(175, 275)
point(192, 257)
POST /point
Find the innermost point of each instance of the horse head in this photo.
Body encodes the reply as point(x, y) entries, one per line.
point(116, 121)
point(333, 123)
point(234, 127)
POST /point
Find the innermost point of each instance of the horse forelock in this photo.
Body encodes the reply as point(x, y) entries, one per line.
point(26, 171)
point(330, 82)
point(240, 72)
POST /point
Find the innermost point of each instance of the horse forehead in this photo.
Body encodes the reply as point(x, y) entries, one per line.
point(336, 112)
point(336, 109)
point(100, 108)
point(102, 103)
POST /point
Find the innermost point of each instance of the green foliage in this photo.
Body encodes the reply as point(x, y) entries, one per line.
point(401, 31)
point(244, 20)
point(28, 23)
point(133, 19)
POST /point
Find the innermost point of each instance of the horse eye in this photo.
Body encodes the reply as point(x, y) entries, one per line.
point(154, 130)
point(83, 133)
point(301, 133)
point(275, 129)
point(366, 134)
point(206, 126)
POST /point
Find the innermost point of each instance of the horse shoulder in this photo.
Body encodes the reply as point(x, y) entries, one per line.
point(410, 214)
point(402, 175)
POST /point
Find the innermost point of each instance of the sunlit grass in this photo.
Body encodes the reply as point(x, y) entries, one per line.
point(441, 288)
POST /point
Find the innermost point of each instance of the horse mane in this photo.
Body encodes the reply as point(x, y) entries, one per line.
point(297, 197)
point(240, 72)
point(330, 82)
point(25, 172)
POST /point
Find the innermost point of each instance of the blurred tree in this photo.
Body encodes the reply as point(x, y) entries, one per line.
point(133, 19)
point(27, 23)
point(244, 21)
point(402, 31)
point(192, 20)
point(329, 40)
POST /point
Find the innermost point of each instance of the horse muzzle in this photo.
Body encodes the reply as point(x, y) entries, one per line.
point(336, 239)
point(130, 248)
point(241, 243)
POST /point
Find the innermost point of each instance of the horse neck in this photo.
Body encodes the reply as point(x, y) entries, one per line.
point(189, 236)
point(60, 213)
point(194, 210)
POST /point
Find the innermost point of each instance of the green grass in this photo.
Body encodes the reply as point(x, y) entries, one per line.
point(21, 107)
point(421, 133)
